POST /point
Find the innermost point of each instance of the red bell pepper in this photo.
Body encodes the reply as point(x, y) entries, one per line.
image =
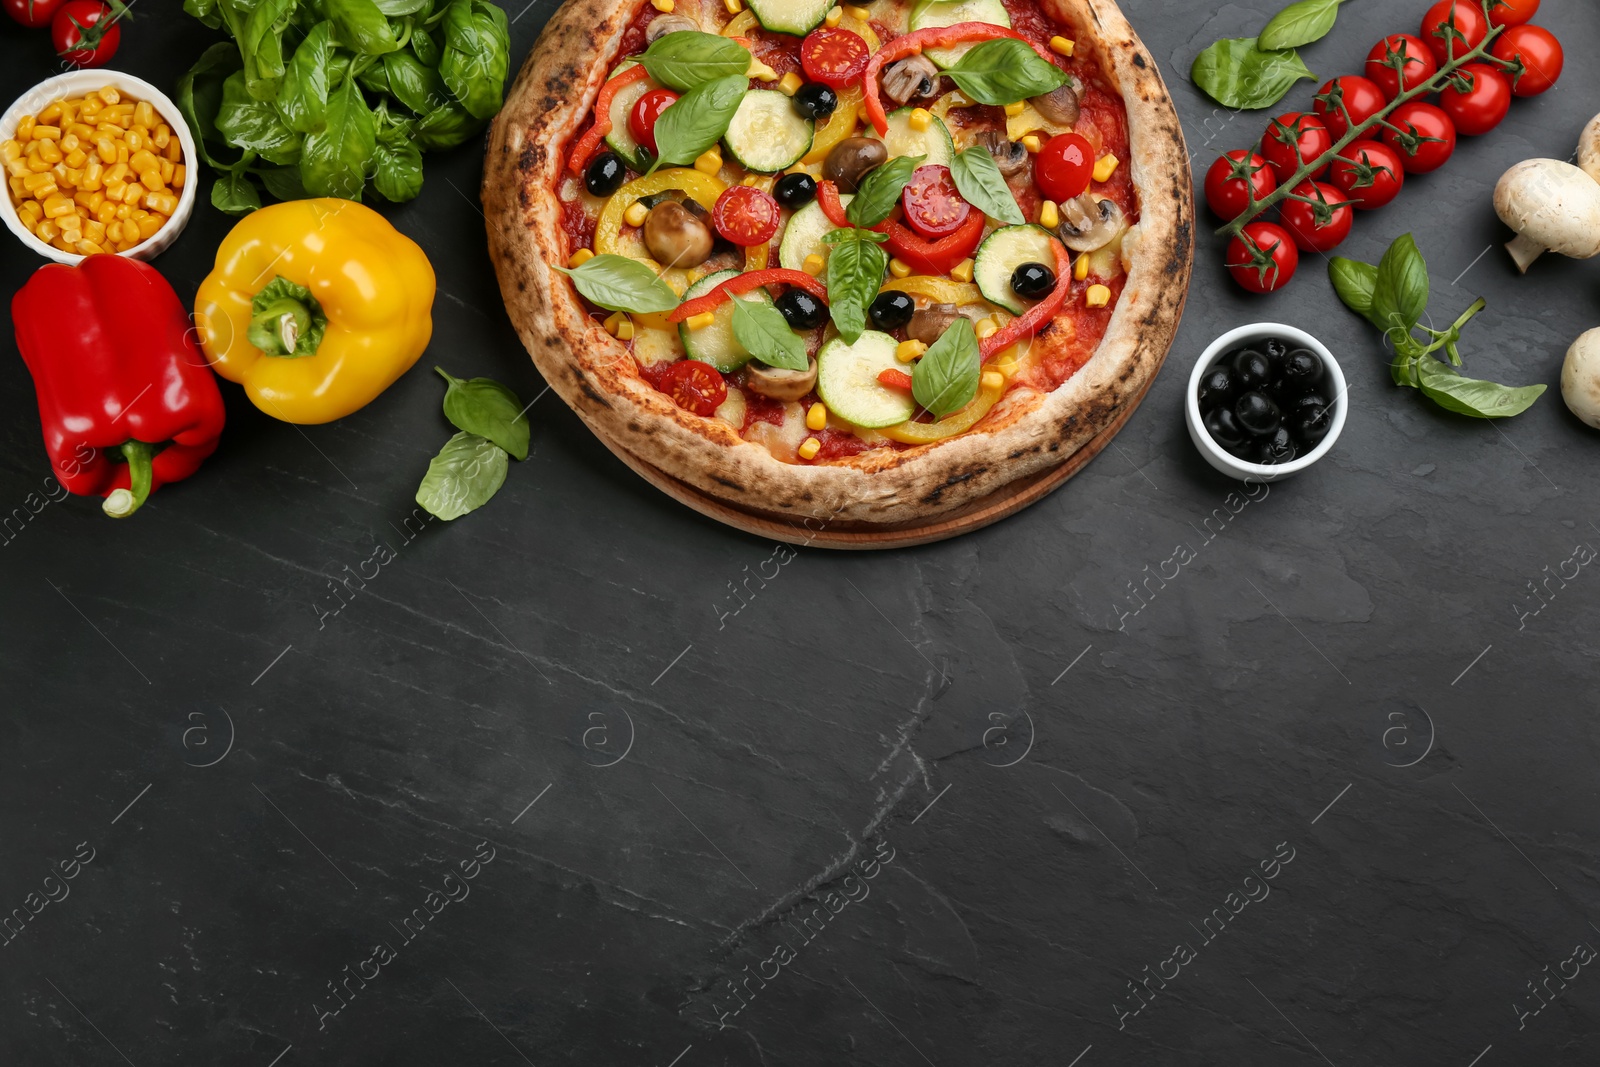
point(745, 282)
point(833, 207)
point(1027, 324)
point(934, 257)
point(602, 118)
point(912, 44)
point(895, 379)
point(116, 369)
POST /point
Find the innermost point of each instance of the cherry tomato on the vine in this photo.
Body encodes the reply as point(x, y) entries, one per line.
point(32, 13)
point(1537, 52)
point(1426, 138)
point(1482, 105)
point(1231, 179)
point(85, 33)
point(646, 110)
point(695, 386)
point(1263, 258)
point(1397, 52)
point(1370, 173)
point(1352, 95)
point(1323, 225)
point(833, 56)
point(1064, 167)
point(1452, 28)
point(1292, 141)
point(933, 205)
point(1513, 12)
point(745, 215)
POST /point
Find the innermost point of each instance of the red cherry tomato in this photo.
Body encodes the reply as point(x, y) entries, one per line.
point(1294, 140)
point(1263, 258)
point(1384, 63)
point(1426, 139)
point(1538, 54)
point(1352, 94)
point(646, 110)
point(834, 57)
point(1483, 105)
point(1064, 167)
point(85, 33)
point(1321, 226)
point(1452, 28)
point(934, 207)
point(1513, 12)
point(32, 13)
point(694, 386)
point(1370, 173)
point(745, 216)
point(1232, 179)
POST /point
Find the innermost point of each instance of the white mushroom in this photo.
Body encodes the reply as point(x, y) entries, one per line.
point(1580, 378)
point(1553, 206)
point(1589, 149)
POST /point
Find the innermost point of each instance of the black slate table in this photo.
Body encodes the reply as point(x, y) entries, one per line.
point(611, 784)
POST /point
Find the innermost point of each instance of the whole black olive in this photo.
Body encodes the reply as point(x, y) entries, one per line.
point(1257, 414)
point(795, 191)
point(1225, 429)
point(814, 100)
point(801, 310)
point(1252, 367)
point(891, 310)
point(1310, 418)
point(1032, 281)
point(605, 174)
point(1302, 372)
point(1274, 349)
point(1218, 387)
point(1278, 448)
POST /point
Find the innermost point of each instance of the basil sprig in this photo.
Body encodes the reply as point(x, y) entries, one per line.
point(618, 283)
point(855, 270)
point(946, 378)
point(698, 119)
point(980, 183)
point(764, 333)
point(1236, 73)
point(1393, 296)
point(471, 467)
point(1003, 71)
point(1299, 24)
point(879, 191)
point(687, 58)
point(485, 407)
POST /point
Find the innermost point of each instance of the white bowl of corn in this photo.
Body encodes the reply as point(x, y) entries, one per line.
point(96, 161)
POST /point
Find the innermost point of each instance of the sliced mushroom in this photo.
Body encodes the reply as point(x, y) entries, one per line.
point(1553, 206)
point(675, 237)
point(778, 383)
point(1059, 105)
point(662, 25)
point(929, 323)
point(1088, 224)
point(850, 160)
point(1009, 155)
point(910, 78)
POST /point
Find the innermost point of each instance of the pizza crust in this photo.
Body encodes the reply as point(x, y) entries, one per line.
point(594, 373)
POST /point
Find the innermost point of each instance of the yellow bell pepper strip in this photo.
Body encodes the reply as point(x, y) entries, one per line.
point(741, 24)
point(837, 126)
point(939, 290)
point(316, 307)
point(703, 188)
point(927, 433)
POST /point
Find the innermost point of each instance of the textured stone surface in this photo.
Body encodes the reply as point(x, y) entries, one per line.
point(1064, 801)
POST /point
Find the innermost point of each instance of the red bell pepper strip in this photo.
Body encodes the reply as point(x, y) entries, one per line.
point(602, 118)
point(912, 44)
point(833, 207)
point(754, 279)
point(116, 370)
point(1028, 324)
point(934, 257)
point(895, 379)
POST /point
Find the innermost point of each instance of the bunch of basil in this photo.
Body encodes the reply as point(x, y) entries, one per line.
point(320, 97)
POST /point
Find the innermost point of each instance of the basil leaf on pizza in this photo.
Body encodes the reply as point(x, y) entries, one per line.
point(855, 270)
point(879, 191)
point(945, 379)
point(618, 283)
point(980, 183)
point(1004, 71)
point(698, 119)
point(687, 58)
point(761, 329)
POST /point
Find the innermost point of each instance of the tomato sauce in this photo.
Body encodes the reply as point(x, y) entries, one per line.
point(577, 224)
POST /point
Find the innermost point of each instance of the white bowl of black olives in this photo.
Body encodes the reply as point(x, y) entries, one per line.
point(1265, 401)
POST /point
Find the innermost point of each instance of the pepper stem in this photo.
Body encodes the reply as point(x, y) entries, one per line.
point(121, 503)
point(286, 320)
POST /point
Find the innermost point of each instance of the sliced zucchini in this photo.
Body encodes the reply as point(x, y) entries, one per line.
point(766, 133)
point(798, 17)
point(619, 139)
point(803, 236)
point(1001, 253)
point(847, 381)
point(901, 140)
point(714, 344)
point(948, 13)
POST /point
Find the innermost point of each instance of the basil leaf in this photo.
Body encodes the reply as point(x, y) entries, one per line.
point(335, 159)
point(476, 56)
point(698, 119)
point(468, 471)
point(397, 166)
point(283, 183)
point(413, 83)
point(686, 58)
point(446, 127)
point(1469, 396)
point(618, 283)
point(423, 44)
point(1299, 24)
point(484, 407)
point(1004, 71)
point(261, 45)
point(879, 191)
point(206, 11)
point(980, 183)
point(359, 25)
point(200, 96)
point(303, 96)
point(248, 123)
point(401, 7)
point(1354, 281)
point(1400, 290)
point(1236, 73)
point(855, 270)
point(234, 193)
point(945, 379)
point(764, 333)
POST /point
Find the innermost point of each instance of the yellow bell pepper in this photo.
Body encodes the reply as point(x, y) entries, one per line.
point(939, 290)
point(316, 307)
point(926, 433)
point(702, 187)
point(837, 126)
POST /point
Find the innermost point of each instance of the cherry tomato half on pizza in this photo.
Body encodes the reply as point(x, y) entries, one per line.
point(834, 57)
point(933, 206)
point(1396, 54)
point(1263, 258)
point(1370, 173)
point(646, 110)
point(745, 216)
point(1292, 141)
point(1323, 225)
point(1232, 179)
point(1353, 96)
point(694, 386)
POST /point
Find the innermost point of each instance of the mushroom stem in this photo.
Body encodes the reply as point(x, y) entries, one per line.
point(1525, 250)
